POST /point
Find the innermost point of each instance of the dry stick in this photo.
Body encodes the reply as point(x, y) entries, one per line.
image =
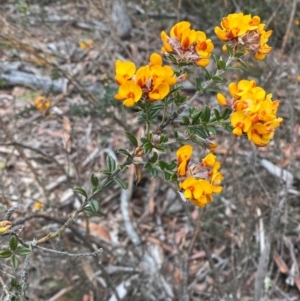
point(288, 29)
point(211, 264)
point(132, 233)
point(274, 13)
point(23, 156)
point(125, 197)
point(186, 266)
point(13, 41)
point(62, 292)
point(265, 256)
point(4, 286)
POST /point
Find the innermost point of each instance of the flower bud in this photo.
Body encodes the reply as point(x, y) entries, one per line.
point(139, 152)
point(155, 139)
point(5, 226)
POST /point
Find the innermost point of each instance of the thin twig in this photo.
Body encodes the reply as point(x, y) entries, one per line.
point(64, 253)
point(125, 197)
point(212, 266)
point(186, 266)
point(289, 26)
point(4, 286)
point(106, 182)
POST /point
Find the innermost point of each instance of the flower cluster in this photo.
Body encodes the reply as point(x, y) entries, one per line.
point(187, 46)
point(151, 82)
point(245, 32)
point(199, 181)
point(42, 103)
point(254, 112)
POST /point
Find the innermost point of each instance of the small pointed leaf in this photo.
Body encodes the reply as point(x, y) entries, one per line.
point(131, 138)
point(94, 180)
point(121, 183)
point(5, 253)
point(206, 114)
point(22, 251)
point(80, 191)
point(15, 262)
point(13, 243)
point(110, 163)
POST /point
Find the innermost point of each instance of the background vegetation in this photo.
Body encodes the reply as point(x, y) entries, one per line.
point(246, 246)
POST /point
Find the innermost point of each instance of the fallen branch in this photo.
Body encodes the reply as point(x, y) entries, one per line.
point(19, 78)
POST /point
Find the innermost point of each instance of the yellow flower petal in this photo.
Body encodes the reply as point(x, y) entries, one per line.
point(221, 99)
point(155, 59)
point(209, 160)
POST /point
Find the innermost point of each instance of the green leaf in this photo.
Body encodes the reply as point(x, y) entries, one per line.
point(131, 138)
point(144, 140)
point(217, 114)
point(161, 149)
point(185, 120)
point(94, 204)
point(229, 50)
point(13, 243)
point(110, 163)
point(105, 172)
point(196, 118)
point(243, 64)
point(208, 75)
point(123, 167)
point(148, 166)
point(174, 177)
point(172, 165)
point(206, 114)
point(226, 113)
point(154, 158)
point(123, 151)
point(162, 164)
point(89, 211)
point(163, 139)
point(94, 180)
point(219, 79)
point(167, 175)
point(93, 210)
point(5, 253)
point(154, 172)
point(93, 190)
point(212, 89)
point(22, 251)
point(221, 65)
point(15, 262)
point(239, 53)
point(80, 191)
point(105, 183)
point(198, 84)
point(148, 147)
point(200, 132)
point(121, 183)
point(13, 282)
point(212, 130)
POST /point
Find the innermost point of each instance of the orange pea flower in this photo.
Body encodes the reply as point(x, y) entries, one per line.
point(130, 93)
point(244, 32)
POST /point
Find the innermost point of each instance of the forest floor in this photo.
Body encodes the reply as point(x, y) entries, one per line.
point(245, 245)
